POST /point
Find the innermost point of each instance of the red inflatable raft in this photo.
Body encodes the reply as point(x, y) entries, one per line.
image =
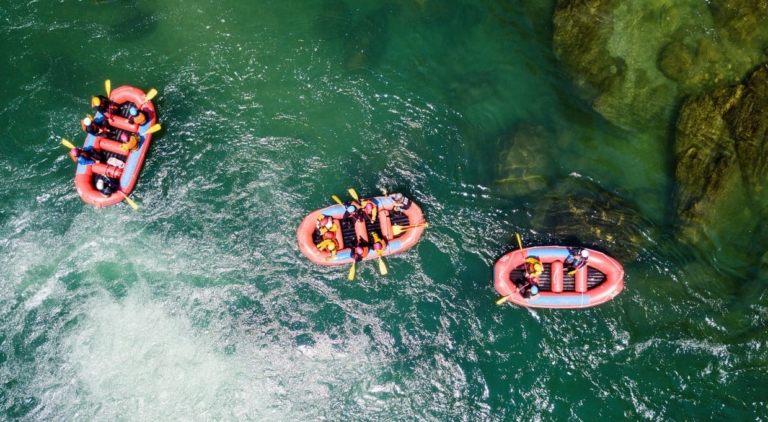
point(121, 166)
point(596, 283)
point(407, 223)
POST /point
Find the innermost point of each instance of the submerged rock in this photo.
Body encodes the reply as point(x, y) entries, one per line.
point(366, 43)
point(721, 162)
point(635, 60)
point(579, 212)
point(524, 161)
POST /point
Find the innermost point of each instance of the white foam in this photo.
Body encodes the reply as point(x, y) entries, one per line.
point(139, 359)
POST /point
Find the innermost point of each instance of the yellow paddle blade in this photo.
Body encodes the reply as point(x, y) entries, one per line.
point(351, 275)
point(382, 267)
point(353, 194)
point(397, 230)
point(336, 198)
point(130, 201)
point(67, 144)
point(153, 129)
point(572, 272)
point(518, 241)
point(501, 300)
point(150, 95)
point(108, 86)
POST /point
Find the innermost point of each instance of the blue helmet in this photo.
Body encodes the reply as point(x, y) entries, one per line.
point(133, 111)
point(534, 290)
point(351, 208)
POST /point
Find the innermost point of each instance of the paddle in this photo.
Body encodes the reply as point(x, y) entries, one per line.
point(153, 129)
point(503, 299)
point(382, 267)
point(336, 198)
point(108, 86)
point(150, 95)
point(129, 201)
point(67, 144)
point(351, 275)
point(397, 230)
point(353, 194)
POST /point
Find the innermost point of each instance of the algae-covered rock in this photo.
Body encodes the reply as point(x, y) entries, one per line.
point(580, 212)
point(720, 154)
point(635, 60)
point(525, 162)
point(675, 60)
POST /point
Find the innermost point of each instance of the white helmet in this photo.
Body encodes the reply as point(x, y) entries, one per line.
point(585, 253)
point(87, 121)
point(100, 184)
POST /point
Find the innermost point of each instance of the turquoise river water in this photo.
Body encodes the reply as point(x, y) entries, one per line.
point(200, 306)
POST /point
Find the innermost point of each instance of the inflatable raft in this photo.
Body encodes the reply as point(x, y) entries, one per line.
point(121, 167)
point(596, 283)
point(401, 230)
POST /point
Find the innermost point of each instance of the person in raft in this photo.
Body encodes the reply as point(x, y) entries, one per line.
point(401, 202)
point(85, 156)
point(533, 269)
point(530, 291)
point(369, 209)
point(330, 245)
point(576, 258)
point(361, 250)
point(137, 116)
point(325, 225)
point(106, 186)
point(129, 142)
point(103, 108)
point(352, 210)
point(379, 244)
point(90, 127)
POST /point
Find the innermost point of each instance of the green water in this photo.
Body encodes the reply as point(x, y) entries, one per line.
point(200, 306)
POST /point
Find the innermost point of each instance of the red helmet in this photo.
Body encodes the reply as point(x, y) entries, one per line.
point(75, 152)
point(377, 246)
point(325, 221)
point(123, 137)
point(359, 250)
point(369, 206)
point(329, 235)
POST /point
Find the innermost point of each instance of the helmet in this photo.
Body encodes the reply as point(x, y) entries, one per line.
point(95, 101)
point(585, 253)
point(324, 220)
point(133, 111)
point(123, 137)
point(398, 197)
point(351, 208)
point(87, 121)
point(358, 250)
point(369, 206)
point(537, 267)
point(100, 184)
point(534, 290)
point(75, 152)
point(329, 235)
point(377, 246)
